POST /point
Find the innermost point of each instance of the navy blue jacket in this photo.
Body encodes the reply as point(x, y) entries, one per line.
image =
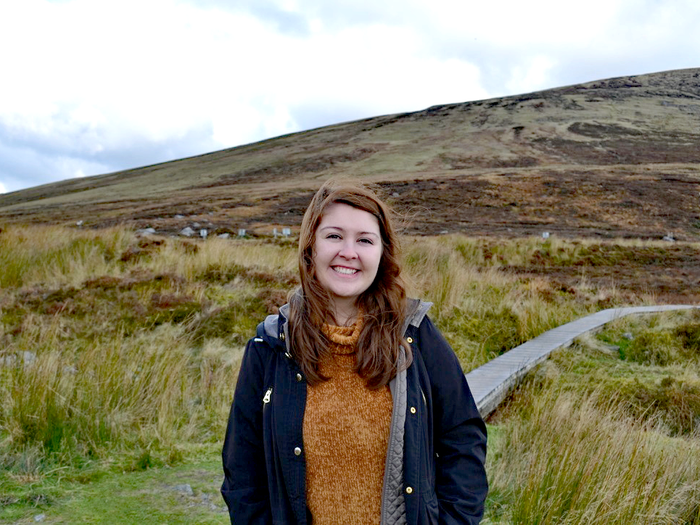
point(444, 439)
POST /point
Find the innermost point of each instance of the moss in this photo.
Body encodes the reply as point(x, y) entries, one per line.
point(494, 331)
point(689, 334)
point(654, 347)
point(235, 322)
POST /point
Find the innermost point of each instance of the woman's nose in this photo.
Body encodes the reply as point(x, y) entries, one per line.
point(347, 251)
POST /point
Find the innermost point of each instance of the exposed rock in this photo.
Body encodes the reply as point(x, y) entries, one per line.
point(187, 232)
point(178, 216)
point(203, 233)
point(224, 235)
point(628, 336)
point(40, 517)
point(669, 238)
point(146, 231)
point(185, 489)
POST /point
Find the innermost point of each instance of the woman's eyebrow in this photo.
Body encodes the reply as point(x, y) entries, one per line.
point(343, 230)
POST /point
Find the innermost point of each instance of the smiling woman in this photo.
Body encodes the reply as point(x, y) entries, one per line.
point(346, 256)
point(350, 406)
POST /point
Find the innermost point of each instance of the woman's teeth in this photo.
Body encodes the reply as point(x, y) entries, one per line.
point(344, 271)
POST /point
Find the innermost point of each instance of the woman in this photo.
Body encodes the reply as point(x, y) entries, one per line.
point(350, 406)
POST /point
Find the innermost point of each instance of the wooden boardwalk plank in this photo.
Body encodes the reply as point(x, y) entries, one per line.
point(492, 382)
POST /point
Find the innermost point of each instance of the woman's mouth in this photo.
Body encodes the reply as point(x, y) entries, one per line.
point(344, 271)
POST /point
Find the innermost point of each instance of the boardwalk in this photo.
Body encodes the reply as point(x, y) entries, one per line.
point(492, 382)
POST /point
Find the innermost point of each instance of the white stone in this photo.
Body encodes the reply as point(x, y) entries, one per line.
point(187, 232)
point(185, 488)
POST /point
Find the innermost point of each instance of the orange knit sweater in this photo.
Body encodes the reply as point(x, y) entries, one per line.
point(346, 435)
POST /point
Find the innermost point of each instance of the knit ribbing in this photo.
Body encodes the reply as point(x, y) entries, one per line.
point(346, 433)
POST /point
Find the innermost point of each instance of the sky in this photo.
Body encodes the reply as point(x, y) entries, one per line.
point(95, 86)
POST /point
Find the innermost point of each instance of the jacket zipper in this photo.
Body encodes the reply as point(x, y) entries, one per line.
point(268, 396)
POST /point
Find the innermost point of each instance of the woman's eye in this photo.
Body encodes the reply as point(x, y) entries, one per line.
point(367, 241)
point(333, 236)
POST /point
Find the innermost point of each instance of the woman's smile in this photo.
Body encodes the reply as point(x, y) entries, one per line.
point(345, 271)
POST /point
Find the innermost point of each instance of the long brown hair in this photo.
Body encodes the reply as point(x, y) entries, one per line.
point(383, 304)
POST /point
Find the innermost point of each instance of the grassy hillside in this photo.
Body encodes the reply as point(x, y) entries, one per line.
point(118, 357)
point(611, 158)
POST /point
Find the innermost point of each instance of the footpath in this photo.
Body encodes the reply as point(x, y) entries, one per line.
point(491, 383)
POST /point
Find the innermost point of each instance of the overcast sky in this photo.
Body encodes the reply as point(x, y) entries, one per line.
point(95, 86)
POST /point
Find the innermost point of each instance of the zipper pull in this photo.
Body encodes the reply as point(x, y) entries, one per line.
point(268, 395)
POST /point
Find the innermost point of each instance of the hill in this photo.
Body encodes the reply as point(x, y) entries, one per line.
point(610, 158)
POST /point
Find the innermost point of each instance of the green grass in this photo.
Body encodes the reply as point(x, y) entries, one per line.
point(119, 358)
point(594, 436)
point(136, 495)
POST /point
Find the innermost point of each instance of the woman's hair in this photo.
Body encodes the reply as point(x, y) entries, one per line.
point(383, 304)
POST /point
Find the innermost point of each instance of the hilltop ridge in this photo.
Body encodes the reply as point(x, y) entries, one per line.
point(608, 158)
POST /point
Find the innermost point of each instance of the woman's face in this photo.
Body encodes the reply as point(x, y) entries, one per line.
point(347, 252)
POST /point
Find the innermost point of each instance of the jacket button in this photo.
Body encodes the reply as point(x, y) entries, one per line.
point(297, 451)
point(413, 410)
point(409, 490)
point(281, 337)
point(409, 339)
point(299, 377)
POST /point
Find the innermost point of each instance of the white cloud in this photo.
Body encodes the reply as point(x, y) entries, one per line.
point(2, 188)
point(533, 75)
point(100, 86)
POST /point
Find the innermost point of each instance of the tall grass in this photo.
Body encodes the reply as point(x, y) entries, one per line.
point(565, 458)
point(484, 311)
point(55, 255)
point(110, 343)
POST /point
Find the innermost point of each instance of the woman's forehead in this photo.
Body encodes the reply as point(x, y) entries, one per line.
point(345, 217)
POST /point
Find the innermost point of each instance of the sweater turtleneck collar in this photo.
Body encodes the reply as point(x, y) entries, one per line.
point(343, 338)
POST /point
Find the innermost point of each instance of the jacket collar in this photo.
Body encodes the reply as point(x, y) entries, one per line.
point(274, 330)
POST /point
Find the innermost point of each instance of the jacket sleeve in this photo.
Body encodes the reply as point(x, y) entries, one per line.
point(245, 487)
point(459, 433)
